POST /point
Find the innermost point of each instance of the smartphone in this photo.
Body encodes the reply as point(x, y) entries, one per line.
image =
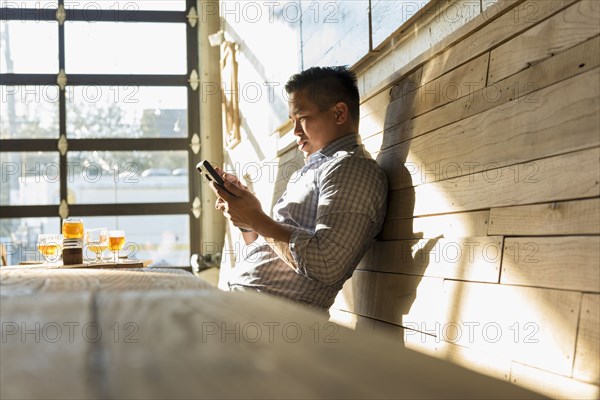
point(212, 175)
point(205, 168)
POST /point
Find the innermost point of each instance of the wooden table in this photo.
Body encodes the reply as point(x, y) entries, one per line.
point(165, 334)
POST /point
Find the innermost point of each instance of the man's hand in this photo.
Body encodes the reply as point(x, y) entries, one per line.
point(243, 209)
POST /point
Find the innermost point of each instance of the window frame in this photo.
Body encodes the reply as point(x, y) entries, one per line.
point(121, 144)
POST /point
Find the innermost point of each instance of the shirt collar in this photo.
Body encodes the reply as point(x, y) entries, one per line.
point(347, 142)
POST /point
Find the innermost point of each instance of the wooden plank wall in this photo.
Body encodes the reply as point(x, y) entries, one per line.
point(490, 251)
point(488, 131)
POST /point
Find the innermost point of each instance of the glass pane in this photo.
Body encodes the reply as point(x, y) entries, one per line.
point(20, 237)
point(125, 48)
point(29, 47)
point(125, 6)
point(29, 112)
point(102, 177)
point(163, 239)
point(126, 111)
point(30, 178)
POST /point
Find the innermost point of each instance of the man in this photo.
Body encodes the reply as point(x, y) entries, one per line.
point(332, 208)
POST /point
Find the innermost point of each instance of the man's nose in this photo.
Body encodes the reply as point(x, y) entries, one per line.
point(298, 128)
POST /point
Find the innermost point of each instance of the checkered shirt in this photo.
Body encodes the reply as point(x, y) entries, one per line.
point(335, 206)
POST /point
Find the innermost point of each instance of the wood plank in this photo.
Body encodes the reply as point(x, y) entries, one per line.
point(569, 262)
point(450, 18)
point(445, 89)
point(587, 353)
point(449, 225)
point(19, 281)
point(408, 84)
point(537, 130)
point(46, 346)
point(397, 134)
point(559, 218)
point(374, 120)
point(486, 4)
point(411, 49)
point(373, 144)
point(473, 259)
point(564, 177)
point(375, 103)
point(511, 23)
point(514, 322)
point(361, 323)
point(409, 301)
point(226, 330)
point(552, 385)
point(522, 85)
point(473, 359)
point(566, 29)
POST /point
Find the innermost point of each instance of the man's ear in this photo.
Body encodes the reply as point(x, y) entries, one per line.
point(341, 112)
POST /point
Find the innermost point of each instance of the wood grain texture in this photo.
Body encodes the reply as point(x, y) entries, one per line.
point(361, 323)
point(522, 85)
point(46, 346)
point(559, 218)
point(473, 359)
point(372, 115)
point(515, 18)
point(449, 225)
point(566, 29)
point(409, 301)
point(445, 89)
point(410, 49)
point(374, 119)
point(221, 334)
point(565, 177)
point(552, 385)
point(25, 282)
point(569, 262)
point(537, 129)
point(537, 327)
point(473, 259)
point(587, 353)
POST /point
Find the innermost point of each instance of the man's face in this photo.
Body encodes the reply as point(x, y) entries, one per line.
point(314, 128)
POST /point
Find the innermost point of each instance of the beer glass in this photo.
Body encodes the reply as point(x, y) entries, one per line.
point(50, 245)
point(97, 241)
point(72, 228)
point(116, 241)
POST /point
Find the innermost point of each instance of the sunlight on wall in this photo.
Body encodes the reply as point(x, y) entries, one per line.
point(466, 317)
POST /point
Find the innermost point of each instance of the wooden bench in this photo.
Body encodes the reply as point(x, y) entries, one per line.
point(160, 333)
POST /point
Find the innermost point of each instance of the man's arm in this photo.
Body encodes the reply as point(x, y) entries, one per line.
point(244, 211)
point(351, 208)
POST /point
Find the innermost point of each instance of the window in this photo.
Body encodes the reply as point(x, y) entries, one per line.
point(96, 121)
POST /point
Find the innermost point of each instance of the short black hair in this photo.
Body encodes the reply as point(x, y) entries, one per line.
point(327, 86)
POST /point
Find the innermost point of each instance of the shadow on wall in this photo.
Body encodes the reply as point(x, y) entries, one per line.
point(387, 300)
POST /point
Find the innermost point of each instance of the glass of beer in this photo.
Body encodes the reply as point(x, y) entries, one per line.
point(116, 241)
point(97, 241)
point(50, 245)
point(72, 228)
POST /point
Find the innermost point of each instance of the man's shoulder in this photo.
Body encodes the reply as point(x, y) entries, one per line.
point(356, 164)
